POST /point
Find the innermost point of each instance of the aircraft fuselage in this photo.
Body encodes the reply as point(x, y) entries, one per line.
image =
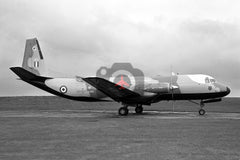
point(182, 87)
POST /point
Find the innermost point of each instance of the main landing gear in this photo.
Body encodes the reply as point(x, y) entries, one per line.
point(139, 109)
point(123, 111)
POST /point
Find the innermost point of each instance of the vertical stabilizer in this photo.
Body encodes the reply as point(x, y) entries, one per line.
point(33, 59)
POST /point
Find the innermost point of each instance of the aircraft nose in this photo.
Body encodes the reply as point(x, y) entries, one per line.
point(224, 90)
point(227, 90)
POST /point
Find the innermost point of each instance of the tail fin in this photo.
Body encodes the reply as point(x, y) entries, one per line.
point(33, 59)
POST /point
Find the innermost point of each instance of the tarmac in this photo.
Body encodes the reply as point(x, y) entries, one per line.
point(101, 134)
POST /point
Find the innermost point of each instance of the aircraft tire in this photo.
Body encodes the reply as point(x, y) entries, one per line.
point(139, 110)
point(123, 111)
point(201, 112)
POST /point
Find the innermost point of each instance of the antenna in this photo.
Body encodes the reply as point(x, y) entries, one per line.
point(171, 87)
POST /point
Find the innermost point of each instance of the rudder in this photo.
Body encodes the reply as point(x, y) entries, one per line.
point(33, 59)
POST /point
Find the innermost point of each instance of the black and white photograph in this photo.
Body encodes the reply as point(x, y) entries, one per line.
point(120, 79)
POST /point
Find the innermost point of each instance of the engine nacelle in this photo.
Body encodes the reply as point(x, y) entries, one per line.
point(157, 88)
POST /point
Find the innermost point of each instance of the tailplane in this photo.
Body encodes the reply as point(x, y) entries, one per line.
point(33, 59)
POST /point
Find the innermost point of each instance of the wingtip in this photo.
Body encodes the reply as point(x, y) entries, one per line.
point(14, 68)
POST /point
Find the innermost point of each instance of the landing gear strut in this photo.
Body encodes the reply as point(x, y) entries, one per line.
point(123, 111)
point(139, 109)
point(201, 111)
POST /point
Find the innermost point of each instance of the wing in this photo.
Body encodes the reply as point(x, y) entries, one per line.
point(116, 92)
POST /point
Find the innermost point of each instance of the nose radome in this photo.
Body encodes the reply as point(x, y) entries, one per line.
point(228, 90)
point(223, 88)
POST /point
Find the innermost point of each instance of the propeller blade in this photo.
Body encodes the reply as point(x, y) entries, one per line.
point(172, 87)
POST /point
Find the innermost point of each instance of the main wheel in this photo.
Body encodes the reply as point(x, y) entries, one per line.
point(123, 111)
point(139, 110)
point(201, 112)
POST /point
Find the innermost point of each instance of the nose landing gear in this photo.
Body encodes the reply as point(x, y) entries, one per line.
point(201, 111)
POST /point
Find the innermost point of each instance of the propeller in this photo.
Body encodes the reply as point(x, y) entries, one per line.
point(171, 87)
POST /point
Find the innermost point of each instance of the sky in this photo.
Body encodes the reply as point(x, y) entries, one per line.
point(77, 37)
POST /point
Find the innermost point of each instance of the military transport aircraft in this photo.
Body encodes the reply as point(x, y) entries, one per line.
point(148, 90)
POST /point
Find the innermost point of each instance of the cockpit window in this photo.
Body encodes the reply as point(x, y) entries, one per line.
point(212, 80)
point(207, 80)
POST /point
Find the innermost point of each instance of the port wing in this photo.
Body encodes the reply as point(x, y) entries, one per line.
point(116, 92)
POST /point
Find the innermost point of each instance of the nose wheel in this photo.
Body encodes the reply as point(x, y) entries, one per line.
point(201, 112)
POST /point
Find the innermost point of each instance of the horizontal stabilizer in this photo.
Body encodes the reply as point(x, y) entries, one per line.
point(112, 90)
point(26, 75)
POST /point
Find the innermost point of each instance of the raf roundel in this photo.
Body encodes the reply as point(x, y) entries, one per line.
point(34, 48)
point(63, 89)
